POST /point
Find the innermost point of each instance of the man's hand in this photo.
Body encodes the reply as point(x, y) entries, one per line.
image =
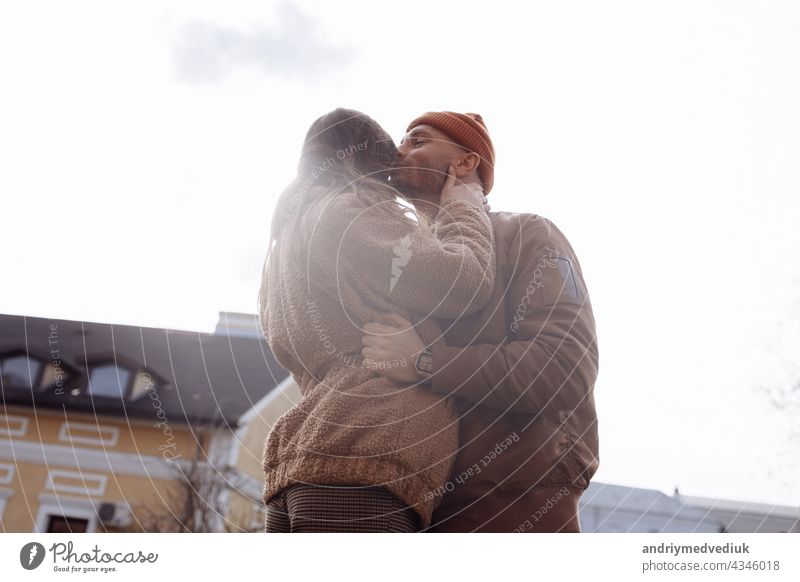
point(391, 350)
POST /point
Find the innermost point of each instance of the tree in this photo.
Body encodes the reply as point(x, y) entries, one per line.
point(194, 504)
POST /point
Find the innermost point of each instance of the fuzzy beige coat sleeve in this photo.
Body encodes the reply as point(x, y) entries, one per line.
point(446, 269)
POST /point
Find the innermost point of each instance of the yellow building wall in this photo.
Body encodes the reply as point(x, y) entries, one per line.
point(147, 496)
point(249, 460)
point(135, 435)
point(243, 514)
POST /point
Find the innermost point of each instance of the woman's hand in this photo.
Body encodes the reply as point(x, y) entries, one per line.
point(391, 350)
point(471, 192)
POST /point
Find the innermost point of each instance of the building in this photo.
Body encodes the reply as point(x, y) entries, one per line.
point(109, 427)
point(746, 516)
point(618, 508)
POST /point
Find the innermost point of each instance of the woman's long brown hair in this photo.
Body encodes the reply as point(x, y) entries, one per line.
point(343, 150)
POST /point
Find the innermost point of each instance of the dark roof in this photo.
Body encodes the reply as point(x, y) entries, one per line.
point(200, 377)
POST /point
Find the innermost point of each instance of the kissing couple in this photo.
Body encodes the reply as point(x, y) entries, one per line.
point(445, 354)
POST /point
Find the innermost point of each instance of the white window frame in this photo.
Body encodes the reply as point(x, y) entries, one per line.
point(7, 430)
point(66, 434)
point(83, 477)
point(60, 505)
point(6, 473)
point(5, 493)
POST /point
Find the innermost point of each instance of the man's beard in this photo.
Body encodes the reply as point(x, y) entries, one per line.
point(414, 181)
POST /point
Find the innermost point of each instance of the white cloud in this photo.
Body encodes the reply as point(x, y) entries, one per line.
point(207, 51)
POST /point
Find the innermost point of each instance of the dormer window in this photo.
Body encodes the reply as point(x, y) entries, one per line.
point(106, 376)
point(122, 380)
point(109, 380)
point(20, 371)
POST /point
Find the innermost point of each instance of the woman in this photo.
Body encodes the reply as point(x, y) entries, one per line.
point(361, 452)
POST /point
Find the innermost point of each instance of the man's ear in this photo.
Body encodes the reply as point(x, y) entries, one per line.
point(467, 163)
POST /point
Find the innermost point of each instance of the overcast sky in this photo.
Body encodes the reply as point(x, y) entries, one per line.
point(143, 147)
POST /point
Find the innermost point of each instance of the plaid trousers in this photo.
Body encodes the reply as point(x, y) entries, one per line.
point(319, 508)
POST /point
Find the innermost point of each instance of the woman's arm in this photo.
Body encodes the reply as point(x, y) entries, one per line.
point(445, 270)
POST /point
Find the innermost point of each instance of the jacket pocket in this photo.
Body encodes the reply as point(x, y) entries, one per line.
point(572, 461)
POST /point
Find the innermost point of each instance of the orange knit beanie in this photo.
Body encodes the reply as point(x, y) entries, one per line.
point(467, 130)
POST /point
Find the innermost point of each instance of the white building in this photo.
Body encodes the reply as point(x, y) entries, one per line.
point(618, 508)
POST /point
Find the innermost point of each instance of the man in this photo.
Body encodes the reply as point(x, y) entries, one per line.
point(521, 371)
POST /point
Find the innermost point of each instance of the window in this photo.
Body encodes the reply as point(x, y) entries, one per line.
point(66, 524)
point(107, 377)
point(109, 380)
point(20, 371)
point(64, 513)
